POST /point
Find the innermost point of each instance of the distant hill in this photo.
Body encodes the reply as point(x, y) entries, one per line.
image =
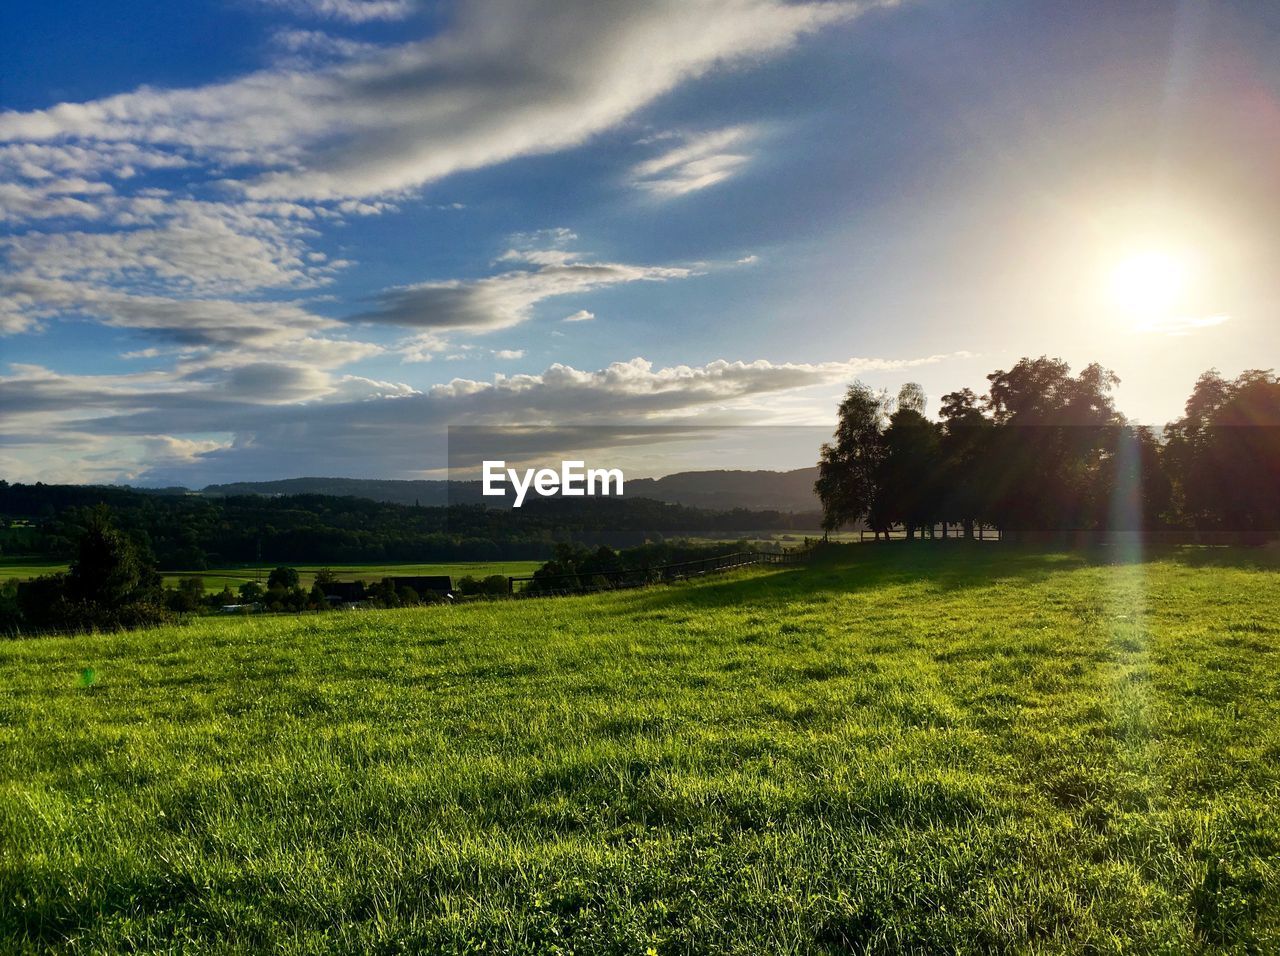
point(788, 491)
point(424, 493)
point(785, 491)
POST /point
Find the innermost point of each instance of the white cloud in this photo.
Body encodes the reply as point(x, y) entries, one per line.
point(285, 420)
point(253, 166)
point(202, 332)
point(509, 298)
point(508, 354)
point(703, 160)
point(189, 253)
point(351, 11)
point(504, 80)
point(316, 44)
point(42, 162)
point(1183, 325)
point(192, 322)
point(582, 315)
point(50, 200)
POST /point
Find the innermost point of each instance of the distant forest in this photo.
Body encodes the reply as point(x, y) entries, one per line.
point(720, 490)
point(194, 532)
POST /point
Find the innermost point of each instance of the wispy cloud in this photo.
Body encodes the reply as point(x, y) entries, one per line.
point(350, 11)
point(504, 80)
point(703, 160)
point(1182, 325)
point(550, 270)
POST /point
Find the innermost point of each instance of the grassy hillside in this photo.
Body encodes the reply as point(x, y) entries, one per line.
point(913, 747)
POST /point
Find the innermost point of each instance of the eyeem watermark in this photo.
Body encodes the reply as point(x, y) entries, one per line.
point(573, 480)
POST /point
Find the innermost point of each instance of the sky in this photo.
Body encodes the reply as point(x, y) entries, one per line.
point(259, 239)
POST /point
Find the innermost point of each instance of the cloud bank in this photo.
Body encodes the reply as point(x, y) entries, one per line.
point(365, 427)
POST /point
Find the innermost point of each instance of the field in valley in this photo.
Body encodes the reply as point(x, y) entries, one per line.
point(932, 747)
point(217, 578)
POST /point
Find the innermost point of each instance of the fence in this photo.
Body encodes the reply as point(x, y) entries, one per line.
point(1094, 537)
point(939, 533)
point(543, 585)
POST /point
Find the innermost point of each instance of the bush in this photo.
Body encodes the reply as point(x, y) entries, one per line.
point(493, 585)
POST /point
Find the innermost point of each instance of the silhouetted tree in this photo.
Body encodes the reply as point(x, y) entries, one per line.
point(1225, 452)
point(850, 464)
point(1049, 442)
point(965, 448)
point(910, 466)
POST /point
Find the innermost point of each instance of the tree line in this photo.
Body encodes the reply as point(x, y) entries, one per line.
point(113, 584)
point(1046, 451)
point(577, 568)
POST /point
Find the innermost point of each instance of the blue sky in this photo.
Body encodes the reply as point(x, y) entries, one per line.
point(251, 239)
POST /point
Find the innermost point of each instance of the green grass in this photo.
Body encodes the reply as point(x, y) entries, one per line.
point(215, 579)
point(23, 567)
point(928, 748)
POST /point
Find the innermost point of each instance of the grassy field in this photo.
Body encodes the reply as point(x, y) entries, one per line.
point(929, 748)
point(216, 579)
point(23, 567)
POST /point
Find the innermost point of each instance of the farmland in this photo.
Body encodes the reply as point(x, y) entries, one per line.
point(215, 579)
point(927, 746)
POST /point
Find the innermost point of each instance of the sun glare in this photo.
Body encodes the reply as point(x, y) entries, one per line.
point(1151, 282)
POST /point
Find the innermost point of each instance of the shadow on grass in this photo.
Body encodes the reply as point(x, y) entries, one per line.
point(945, 565)
point(1265, 558)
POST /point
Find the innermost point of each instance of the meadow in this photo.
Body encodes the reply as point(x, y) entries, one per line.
point(903, 747)
point(215, 579)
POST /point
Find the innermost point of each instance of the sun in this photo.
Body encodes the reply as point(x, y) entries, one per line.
point(1151, 282)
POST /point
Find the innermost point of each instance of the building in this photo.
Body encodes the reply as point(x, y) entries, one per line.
point(426, 586)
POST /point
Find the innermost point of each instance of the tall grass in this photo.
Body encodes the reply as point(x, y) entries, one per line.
point(906, 748)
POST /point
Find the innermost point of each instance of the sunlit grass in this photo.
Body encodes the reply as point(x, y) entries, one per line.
point(930, 746)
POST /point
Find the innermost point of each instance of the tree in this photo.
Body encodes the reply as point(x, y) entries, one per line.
point(911, 397)
point(1049, 443)
point(108, 571)
point(911, 465)
point(849, 465)
point(1132, 490)
point(964, 448)
point(111, 585)
point(187, 597)
point(282, 577)
point(1224, 454)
